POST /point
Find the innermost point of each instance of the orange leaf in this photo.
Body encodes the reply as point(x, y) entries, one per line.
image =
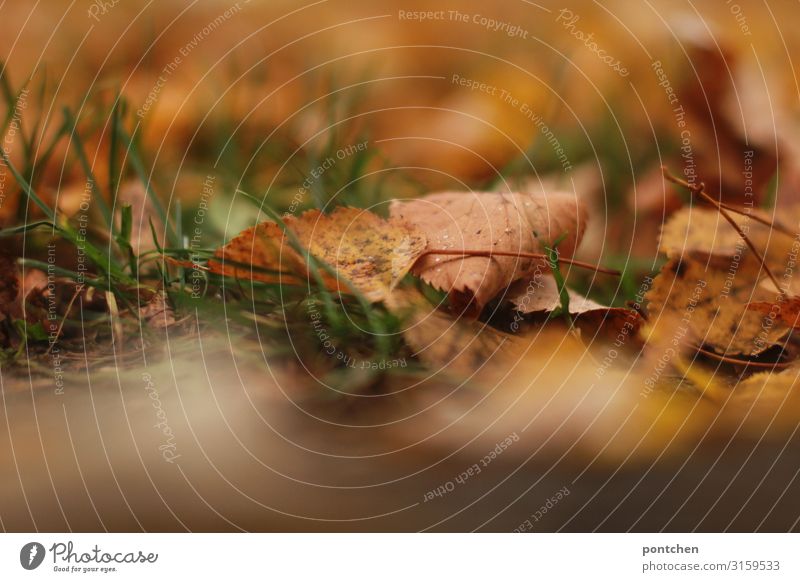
point(786, 311)
point(371, 253)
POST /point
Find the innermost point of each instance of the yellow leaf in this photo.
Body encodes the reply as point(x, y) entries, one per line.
point(702, 232)
point(367, 251)
point(708, 306)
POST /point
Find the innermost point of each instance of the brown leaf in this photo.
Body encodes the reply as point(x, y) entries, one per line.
point(703, 232)
point(709, 306)
point(786, 311)
point(540, 294)
point(253, 252)
point(488, 221)
point(371, 253)
point(722, 137)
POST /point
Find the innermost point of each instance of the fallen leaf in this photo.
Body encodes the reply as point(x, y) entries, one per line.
point(786, 311)
point(702, 232)
point(259, 253)
point(371, 253)
point(722, 137)
point(708, 306)
point(488, 221)
point(540, 294)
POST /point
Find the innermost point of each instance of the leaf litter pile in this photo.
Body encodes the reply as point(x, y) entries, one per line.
point(460, 284)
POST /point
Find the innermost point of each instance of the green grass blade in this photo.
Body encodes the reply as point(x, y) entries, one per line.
point(80, 150)
point(27, 189)
point(138, 167)
point(561, 284)
point(117, 113)
point(25, 228)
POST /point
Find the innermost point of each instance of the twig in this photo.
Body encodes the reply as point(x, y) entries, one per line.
point(699, 190)
point(730, 208)
point(774, 225)
point(521, 254)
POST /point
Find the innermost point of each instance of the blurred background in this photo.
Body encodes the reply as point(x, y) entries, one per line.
point(257, 94)
point(357, 103)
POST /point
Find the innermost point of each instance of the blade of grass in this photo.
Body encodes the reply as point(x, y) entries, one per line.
point(26, 187)
point(43, 158)
point(117, 112)
point(80, 151)
point(67, 273)
point(12, 109)
point(138, 167)
point(123, 238)
point(160, 265)
point(561, 284)
point(97, 256)
point(30, 142)
point(13, 231)
point(771, 195)
point(5, 83)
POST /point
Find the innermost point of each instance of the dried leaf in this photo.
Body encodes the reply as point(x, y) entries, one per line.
point(371, 253)
point(488, 221)
point(723, 136)
point(786, 311)
point(709, 306)
point(540, 294)
point(702, 232)
point(259, 253)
